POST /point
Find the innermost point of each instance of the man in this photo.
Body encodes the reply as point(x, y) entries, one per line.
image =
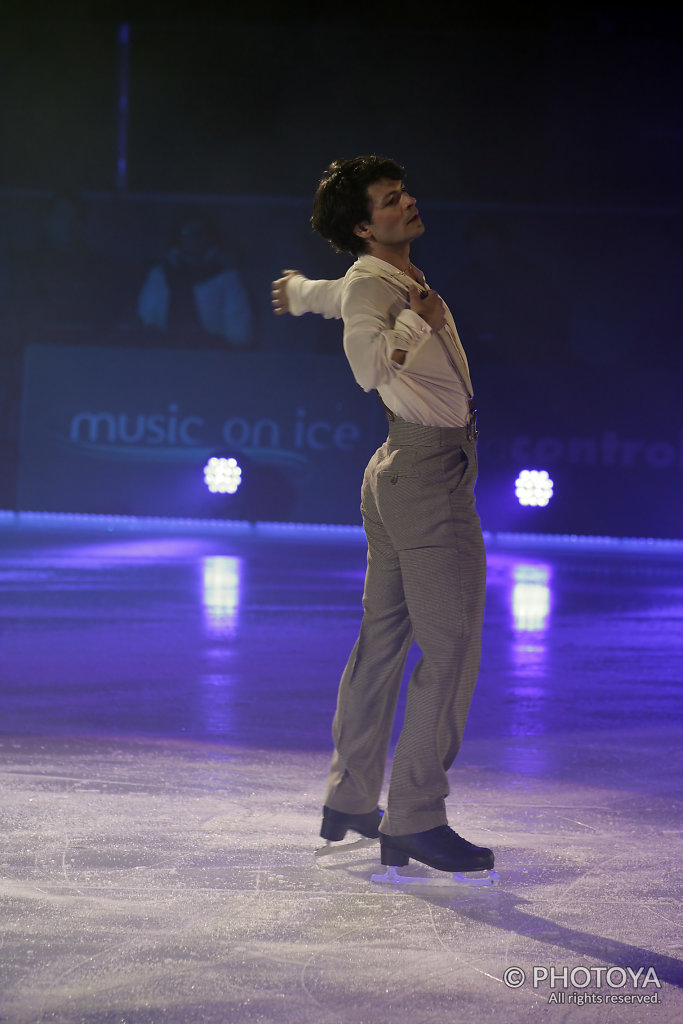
point(426, 563)
point(194, 296)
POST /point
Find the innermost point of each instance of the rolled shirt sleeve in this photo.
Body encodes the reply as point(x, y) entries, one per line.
point(371, 335)
point(431, 386)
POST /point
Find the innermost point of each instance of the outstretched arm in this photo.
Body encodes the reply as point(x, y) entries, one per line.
point(279, 294)
point(293, 293)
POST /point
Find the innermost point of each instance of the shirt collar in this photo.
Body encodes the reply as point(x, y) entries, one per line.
point(375, 265)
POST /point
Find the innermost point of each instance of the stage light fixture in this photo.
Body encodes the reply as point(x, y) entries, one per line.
point(222, 475)
point(534, 487)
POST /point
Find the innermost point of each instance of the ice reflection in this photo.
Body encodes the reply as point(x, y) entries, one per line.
point(530, 618)
point(530, 606)
point(530, 660)
point(221, 592)
point(217, 703)
point(531, 597)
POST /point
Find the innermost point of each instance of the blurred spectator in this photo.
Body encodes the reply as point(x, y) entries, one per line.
point(62, 287)
point(194, 296)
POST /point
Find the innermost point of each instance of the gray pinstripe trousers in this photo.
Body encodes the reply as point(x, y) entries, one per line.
point(425, 581)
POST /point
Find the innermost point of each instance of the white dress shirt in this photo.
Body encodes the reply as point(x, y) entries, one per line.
point(432, 386)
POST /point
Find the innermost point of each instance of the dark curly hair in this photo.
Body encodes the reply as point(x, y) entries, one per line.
point(341, 201)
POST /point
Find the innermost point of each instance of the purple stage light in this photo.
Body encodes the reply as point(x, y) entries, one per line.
point(222, 476)
point(534, 487)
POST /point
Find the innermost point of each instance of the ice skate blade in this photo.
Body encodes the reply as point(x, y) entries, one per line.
point(478, 878)
point(334, 849)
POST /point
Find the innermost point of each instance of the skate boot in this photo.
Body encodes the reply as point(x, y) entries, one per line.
point(439, 848)
point(336, 824)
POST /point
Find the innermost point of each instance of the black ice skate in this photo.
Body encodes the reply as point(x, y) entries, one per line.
point(336, 824)
point(439, 848)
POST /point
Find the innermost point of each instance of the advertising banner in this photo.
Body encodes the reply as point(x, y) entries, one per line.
point(129, 431)
point(123, 431)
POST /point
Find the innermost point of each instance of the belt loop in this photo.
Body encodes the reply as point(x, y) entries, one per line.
point(472, 433)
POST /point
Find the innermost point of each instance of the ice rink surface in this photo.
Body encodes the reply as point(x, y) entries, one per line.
point(166, 694)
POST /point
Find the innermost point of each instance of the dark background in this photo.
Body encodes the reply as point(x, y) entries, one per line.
point(543, 144)
point(507, 103)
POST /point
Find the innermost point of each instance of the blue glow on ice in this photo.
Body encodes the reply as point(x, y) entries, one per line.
point(35, 519)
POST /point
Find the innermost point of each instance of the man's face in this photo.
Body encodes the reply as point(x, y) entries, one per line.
point(394, 217)
point(195, 242)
